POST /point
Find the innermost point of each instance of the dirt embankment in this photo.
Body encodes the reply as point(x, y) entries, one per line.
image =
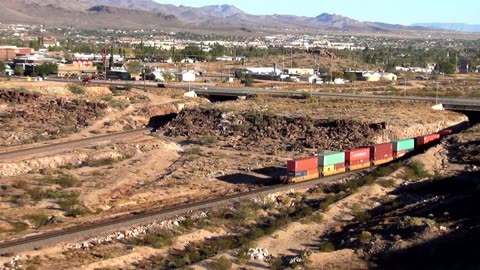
point(253, 130)
point(29, 117)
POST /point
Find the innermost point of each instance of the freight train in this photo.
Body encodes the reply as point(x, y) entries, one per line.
point(308, 168)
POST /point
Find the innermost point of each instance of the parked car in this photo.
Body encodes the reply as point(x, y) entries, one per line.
point(87, 80)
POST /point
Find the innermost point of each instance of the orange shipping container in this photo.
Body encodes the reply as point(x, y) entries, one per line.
point(312, 171)
point(426, 139)
point(362, 155)
point(302, 164)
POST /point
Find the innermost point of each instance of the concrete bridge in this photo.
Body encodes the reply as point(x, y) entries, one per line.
point(456, 104)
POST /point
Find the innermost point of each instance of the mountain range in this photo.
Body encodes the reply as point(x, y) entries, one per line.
point(135, 14)
point(460, 27)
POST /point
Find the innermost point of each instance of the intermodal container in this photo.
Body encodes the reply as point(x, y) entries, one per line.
point(331, 159)
point(381, 151)
point(302, 164)
point(312, 171)
point(426, 139)
point(362, 154)
point(401, 145)
point(359, 166)
point(357, 162)
point(334, 172)
point(382, 161)
point(339, 166)
point(399, 154)
point(445, 132)
point(297, 174)
point(327, 169)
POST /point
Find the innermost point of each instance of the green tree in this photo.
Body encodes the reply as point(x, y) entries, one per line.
point(134, 66)
point(19, 71)
point(446, 67)
point(350, 76)
point(194, 52)
point(46, 69)
point(217, 50)
point(3, 67)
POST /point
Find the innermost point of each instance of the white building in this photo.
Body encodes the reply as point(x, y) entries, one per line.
point(378, 76)
point(185, 76)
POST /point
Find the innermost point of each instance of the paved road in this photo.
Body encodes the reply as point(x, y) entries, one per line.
point(92, 230)
point(212, 90)
point(69, 145)
point(251, 91)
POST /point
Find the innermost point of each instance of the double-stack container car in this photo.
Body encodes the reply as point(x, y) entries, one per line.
point(402, 147)
point(331, 163)
point(339, 162)
point(357, 159)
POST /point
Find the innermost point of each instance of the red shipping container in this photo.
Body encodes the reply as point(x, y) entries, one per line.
point(302, 164)
point(358, 162)
point(312, 171)
point(399, 154)
point(357, 154)
point(381, 151)
point(339, 166)
point(445, 132)
point(426, 139)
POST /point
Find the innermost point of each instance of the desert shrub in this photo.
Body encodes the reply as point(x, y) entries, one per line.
point(19, 226)
point(220, 264)
point(207, 140)
point(326, 247)
point(119, 104)
point(317, 218)
point(360, 214)
point(244, 213)
point(276, 263)
point(38, 220)
point(387, 183)
point(129, 86)
point(365, 237)
point(69, 202)
point(159, 240)
point(99, 162)
point(76, 89)
point(21, 184)
point(418, 169)
point(66, 181)
point(36, 194)
point(306, 95)
point(194, 151)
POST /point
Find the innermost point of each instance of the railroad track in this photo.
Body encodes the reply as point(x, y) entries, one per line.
point(68, 145)
point(86, 231)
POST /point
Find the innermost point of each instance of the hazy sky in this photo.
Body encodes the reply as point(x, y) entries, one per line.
point(396, 11)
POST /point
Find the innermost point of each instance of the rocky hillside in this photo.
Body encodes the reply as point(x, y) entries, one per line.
point(256, 131)
point(29, 117)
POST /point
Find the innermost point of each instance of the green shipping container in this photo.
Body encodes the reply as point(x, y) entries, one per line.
point(401, 145)
point(331, 159)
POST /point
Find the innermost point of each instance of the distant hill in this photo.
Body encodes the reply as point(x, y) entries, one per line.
point(461, 27)
point(128, 14)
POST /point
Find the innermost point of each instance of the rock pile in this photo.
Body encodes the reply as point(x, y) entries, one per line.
point(253, 130)
point(36, 117)
point(136, 231)
point(258, 254)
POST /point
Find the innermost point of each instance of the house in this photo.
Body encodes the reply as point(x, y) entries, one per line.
point(378, 76)
point(185, 76)
point(78, 68)
point(187, 61)
point(224, 58)
point(10, 52)
point(299, 71)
